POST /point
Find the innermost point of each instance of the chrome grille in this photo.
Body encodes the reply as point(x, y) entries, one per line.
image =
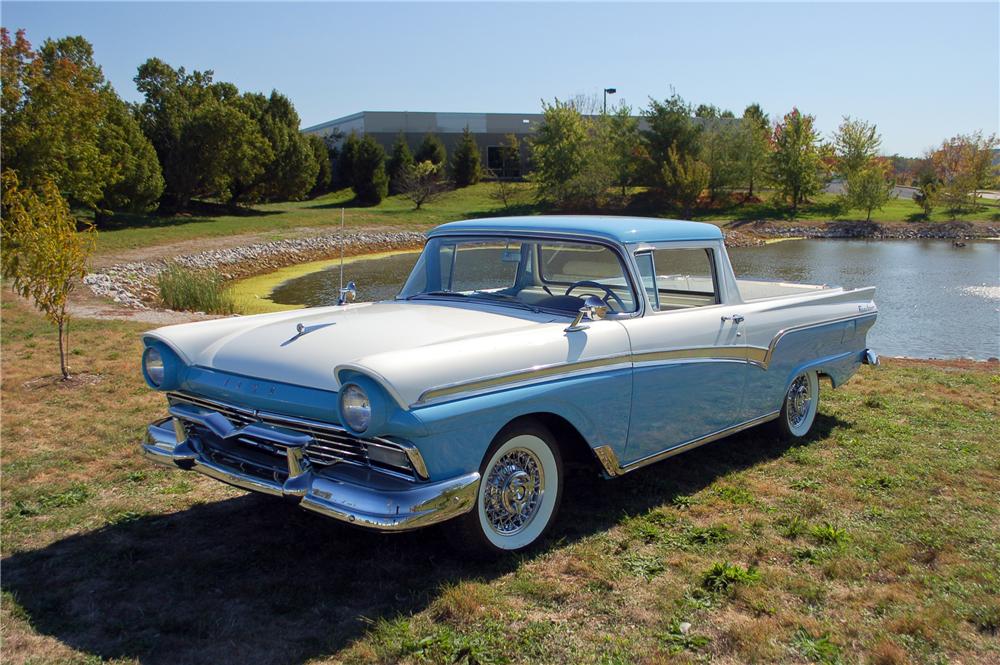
point(330, 444)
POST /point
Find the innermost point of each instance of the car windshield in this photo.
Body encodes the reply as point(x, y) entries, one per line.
point(527, 273)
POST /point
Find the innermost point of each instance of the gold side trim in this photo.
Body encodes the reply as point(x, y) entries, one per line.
point(608, 459)
point(540, 372)
point(755, 355)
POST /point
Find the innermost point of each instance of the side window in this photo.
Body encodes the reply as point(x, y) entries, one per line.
point(685, 278)
point(648, 277)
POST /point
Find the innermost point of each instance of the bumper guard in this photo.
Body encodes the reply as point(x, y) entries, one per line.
point(327, 492)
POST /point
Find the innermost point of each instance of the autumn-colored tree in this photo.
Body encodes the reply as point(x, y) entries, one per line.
point(686, 177)
point(795, 163)
point(466, 161)
point(964, 164)
point(43, 253)
point(421, 183)
point(63, 122)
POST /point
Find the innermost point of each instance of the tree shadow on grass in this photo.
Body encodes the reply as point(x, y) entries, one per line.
point(255, 580)
point(196, 212)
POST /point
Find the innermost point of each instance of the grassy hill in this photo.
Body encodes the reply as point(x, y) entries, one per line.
point(277, 220)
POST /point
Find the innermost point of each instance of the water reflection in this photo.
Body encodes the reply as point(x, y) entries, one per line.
point(935, 300)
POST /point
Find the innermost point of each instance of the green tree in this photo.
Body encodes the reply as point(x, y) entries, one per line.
point(505, 191)
point(345, 160)
point(669, 126)
point(400, 162)
point(53, 105)
point(142, 183)
point(686, 177)
point(868, 189)
point(421, 183)
point(856, 143)
point(719, 152)
point(321, 153)
point(625, 148)
point(207, 144)
point(43, 253)
point(569, 154)
point(291, 171)
point(466, 162)
point(432, 150)
point(795, 163)
point(753, 147)
point(370, 182)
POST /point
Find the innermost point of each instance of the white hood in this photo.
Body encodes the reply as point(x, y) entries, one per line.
point(409, 347)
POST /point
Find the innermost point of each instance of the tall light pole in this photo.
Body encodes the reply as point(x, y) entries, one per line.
point(608, 91)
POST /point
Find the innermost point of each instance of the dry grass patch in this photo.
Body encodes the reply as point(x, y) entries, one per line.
point(875, 540)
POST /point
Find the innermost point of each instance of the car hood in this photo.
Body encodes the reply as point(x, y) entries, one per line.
point(303, 347)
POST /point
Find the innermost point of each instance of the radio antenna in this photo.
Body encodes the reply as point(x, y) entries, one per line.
point(341, 250)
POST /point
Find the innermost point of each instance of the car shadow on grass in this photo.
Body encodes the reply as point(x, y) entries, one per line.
point(253, 579)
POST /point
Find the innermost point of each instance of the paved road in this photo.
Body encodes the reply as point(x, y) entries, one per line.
point(905, 191)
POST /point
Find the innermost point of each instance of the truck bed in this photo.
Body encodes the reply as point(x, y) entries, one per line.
point(759, 289)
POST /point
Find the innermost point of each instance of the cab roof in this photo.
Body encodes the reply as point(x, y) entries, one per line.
point(619, 229)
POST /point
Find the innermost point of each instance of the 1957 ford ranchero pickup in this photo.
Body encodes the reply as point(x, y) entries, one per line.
point(515, 344)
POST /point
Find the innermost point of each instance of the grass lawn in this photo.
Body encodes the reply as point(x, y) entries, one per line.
point(275, 220)
point(876, 540)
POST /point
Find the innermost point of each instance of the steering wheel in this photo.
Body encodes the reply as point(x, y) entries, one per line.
point(608, 292)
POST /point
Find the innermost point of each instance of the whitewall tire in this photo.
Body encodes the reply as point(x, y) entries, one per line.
point(519, 492)
point(799, 406)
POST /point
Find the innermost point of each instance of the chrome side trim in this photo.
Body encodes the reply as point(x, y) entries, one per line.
point(766, 359)
point(609, 460)
point(324, 491)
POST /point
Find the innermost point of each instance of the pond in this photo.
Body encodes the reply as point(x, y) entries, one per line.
point(935, 300)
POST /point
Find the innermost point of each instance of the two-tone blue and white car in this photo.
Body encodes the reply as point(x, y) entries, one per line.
point(516, 345)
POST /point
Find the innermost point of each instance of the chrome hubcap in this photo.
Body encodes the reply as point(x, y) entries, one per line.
point(514, 487)
point(798, 401)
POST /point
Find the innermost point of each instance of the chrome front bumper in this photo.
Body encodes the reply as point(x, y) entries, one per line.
point(334, 491)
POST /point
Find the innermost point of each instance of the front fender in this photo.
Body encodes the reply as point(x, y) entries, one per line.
point(458, 433)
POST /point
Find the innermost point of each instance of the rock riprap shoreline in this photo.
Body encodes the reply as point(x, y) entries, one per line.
point(134, 284)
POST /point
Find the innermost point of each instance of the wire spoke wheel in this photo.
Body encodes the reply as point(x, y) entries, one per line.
point(515, 485)
point(798, 410)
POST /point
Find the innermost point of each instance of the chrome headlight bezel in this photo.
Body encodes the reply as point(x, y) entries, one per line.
point(153, 367)
point(168, 372)
point(355, 408)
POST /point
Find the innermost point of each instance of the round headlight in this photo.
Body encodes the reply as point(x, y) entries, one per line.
point(355, 407)
point(152, 362)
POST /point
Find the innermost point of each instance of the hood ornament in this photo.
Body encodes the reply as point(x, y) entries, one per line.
point(348, 294)
point(300, 328)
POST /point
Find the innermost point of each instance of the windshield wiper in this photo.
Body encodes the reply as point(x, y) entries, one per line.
point(437, 293)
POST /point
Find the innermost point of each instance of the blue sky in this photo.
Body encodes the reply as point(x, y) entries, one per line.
point(922, 72)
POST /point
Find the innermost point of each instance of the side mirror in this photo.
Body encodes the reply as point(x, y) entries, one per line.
point(594, 309)
point(348, 294)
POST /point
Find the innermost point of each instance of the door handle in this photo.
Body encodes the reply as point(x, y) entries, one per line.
point(735, 318)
